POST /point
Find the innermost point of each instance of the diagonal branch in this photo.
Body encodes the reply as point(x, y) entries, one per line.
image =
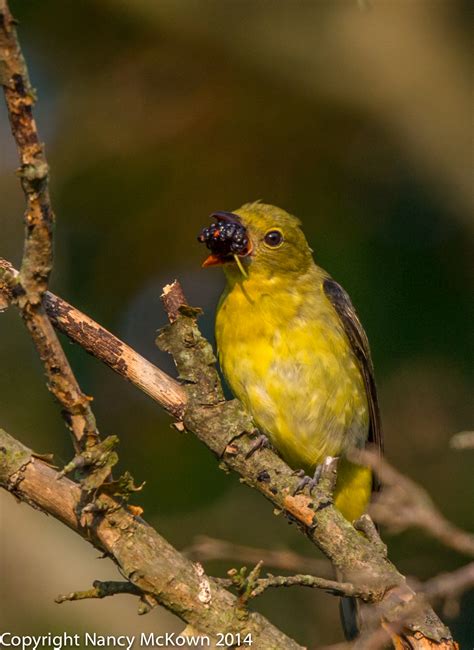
point(222, 427)
point(404, 504)
point(449, 587)
point(106, 347)
point(116, 354)
point(145, 559)
point(446, 588)
point(75, 405)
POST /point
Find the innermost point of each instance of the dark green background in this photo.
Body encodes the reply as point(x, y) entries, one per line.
point(354, 116)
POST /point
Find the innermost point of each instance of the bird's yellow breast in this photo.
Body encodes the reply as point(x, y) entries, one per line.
point(285, 355)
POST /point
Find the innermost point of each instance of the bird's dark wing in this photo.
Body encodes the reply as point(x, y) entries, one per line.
point(360, 345)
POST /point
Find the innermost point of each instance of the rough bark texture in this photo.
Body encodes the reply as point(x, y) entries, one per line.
point(117, 355)
point(224, 427)
point(145, 558)
point(102, 344)
point(39, 218)
point(28, 287)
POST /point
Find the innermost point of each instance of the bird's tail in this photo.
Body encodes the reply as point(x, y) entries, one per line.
point(349, 613)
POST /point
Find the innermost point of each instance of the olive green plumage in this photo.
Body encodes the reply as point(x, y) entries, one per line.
point(293, 351)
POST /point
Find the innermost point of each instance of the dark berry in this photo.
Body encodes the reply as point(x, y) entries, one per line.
point(226, 237)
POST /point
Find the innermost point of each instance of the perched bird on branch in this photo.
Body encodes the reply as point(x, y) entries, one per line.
point(292, 348)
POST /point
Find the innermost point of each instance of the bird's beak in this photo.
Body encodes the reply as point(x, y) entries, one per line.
point(212, 260)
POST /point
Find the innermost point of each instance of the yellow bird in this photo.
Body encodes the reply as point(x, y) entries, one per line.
point(292, 348)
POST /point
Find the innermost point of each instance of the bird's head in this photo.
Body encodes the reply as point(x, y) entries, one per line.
point(256, 239)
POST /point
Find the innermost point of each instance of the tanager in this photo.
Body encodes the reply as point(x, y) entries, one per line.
point(292, 347)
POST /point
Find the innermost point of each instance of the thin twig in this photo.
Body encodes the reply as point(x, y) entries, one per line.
point(116, 354)
point(365, 525)
point(28, 287)
point(301, 580)
point(448, 588)
point(111, 588)
point(404, 504)
point(100, 590)
point(250, 585)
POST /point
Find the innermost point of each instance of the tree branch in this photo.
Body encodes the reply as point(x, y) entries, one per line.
point(222, 426)
point(206, 548)
point(150, 564)
point(404, 504)
point(106, 347)
point(111, 588)
point(28, 287)
point(463, 440)
point(251, 585)
point(315, 582)
point(449, 587)
point(145, 558)
point(39, 218)
point(445, 587)
point(100, 590)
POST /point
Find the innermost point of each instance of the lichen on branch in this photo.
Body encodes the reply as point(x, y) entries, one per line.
point(149, 563)
point(224, 426)
point(28, 287)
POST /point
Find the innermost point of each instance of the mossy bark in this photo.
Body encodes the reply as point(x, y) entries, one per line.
point(144, 557)
point(224, 427)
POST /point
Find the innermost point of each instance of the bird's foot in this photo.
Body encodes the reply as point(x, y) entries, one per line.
point(303, 483)
point(260, 443)
point(324, 471)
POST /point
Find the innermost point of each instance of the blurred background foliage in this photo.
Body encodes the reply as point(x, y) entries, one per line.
point(356, 116)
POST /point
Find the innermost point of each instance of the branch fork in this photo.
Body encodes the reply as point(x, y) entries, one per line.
point(153, 568)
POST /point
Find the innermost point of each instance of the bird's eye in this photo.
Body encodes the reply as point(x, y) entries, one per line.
point(273, 238)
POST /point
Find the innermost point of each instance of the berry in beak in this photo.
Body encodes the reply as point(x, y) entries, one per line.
point(226, 238)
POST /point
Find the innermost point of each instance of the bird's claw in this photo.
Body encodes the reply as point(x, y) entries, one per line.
point(261, 442)
point(306, 481)
point(312, 482)
point(318, 473)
